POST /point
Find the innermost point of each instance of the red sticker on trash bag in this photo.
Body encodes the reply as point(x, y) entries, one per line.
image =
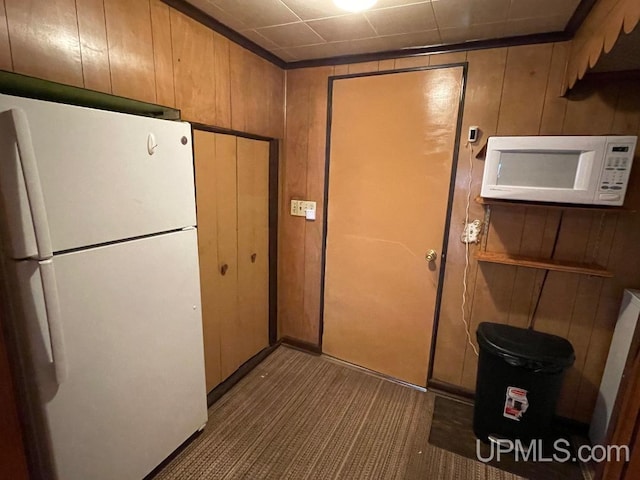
point(516, 403)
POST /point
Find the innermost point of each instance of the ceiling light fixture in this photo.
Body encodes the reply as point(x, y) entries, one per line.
point(355, 5)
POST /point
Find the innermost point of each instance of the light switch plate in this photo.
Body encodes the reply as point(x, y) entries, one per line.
point(299, 208)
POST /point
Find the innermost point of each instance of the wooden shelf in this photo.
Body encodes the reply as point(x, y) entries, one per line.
point(561, 206)
point(544, 264)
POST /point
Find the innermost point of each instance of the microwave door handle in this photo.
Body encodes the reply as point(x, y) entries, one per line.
point(54, 320)
point(32, 183)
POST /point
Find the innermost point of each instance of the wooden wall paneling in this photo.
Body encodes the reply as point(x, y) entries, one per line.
point(525, 83)
point(316, 144)
point(276, 96)
point(93, 45)
point(227, 286)
point(44, 39)
point(626, 118)
point(342, 69)
point(240, 78)
point(446, 58)
point(5, 49)
point(222, 80)
point(162, 53)
point(193, 57)
point(482, 103)
point(594, 314)
point(499, 289)
point(363, 67)
point(411, 62)
point(292, 229)
point(633, 469)
point(522, 301)
point(555, 104)
point(491, 299)
point(253, 239)
point(388, 64)
point(130, 49)
point(251, 95)
point(588, 298)
point(590, 109)
point(204, 144)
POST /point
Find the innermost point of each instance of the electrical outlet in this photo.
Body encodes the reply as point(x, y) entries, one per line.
point(471, 232)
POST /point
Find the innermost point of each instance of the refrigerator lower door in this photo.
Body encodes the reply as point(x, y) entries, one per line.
point(131, 323)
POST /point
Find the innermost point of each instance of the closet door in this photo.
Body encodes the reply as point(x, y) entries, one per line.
point(232, 195)
point(204, 153)
point(215, 165)
point(226, 287)
point(253, 247)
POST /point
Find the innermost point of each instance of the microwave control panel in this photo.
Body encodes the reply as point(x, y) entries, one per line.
point(615, 174)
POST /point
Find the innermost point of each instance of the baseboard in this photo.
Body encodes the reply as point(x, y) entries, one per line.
point(302, 345)
point(215, 394)
point(450, 390)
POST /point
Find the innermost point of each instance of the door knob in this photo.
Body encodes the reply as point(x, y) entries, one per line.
point(223, 269)
point(253, 257)
point(431, 255)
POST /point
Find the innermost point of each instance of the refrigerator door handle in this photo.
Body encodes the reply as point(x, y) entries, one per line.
point(54, 320)
point(31, 176)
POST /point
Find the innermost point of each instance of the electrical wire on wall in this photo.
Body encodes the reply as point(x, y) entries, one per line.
point(466, 251)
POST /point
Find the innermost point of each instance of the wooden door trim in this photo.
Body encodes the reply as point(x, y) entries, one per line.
point(274, 153)
point(452, 179)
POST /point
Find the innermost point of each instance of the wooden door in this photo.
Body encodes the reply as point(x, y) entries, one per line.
point(253, 248)
point(391, 154)
point(232, 192)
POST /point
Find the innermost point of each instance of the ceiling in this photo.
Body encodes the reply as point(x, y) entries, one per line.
point(296, 30)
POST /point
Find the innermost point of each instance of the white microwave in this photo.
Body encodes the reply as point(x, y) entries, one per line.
point(569, 169)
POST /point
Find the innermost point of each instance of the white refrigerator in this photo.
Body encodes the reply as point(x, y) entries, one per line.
point(100, 264)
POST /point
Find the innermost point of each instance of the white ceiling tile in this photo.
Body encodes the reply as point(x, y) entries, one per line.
point(291, 35)
point(220, 15)
point(305, 29)
point(258, 13)
point(542, 8)
point(407, 19)
point(528, 26)
point(413, 40)
point(462, 13)
point(347, 27)
point(283, 54)
point(256, 37)
point(312, 9)
point(395, 3)
point(472, 33)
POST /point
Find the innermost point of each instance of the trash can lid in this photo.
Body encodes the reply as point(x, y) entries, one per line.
point(530, 346)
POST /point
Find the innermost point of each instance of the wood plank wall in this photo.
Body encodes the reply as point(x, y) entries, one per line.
point(510, 91)
point(146, 50)
point(141, 49)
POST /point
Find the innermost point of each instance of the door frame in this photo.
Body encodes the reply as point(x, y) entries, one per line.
point(274, 154)
point(452, 181)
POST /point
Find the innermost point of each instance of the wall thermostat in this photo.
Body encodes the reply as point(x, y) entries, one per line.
point(474, 133)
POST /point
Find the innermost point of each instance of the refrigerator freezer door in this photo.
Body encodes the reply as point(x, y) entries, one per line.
point(99, 179)
point(135, 388)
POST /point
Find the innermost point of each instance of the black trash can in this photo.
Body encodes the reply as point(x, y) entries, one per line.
point(520, 374)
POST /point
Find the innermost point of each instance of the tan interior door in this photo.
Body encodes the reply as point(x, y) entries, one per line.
point(392, 147)
point(253, 247)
